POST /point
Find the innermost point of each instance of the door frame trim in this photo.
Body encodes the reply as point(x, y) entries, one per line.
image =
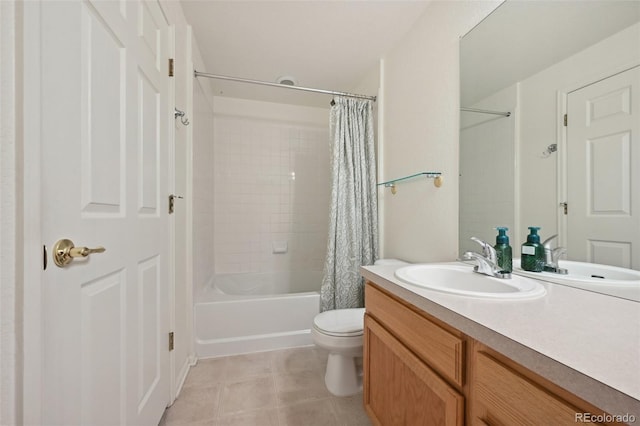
point(562, 104)
point(10, 210)
point(32, 332)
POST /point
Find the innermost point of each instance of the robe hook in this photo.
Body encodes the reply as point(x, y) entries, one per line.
point(177, 113)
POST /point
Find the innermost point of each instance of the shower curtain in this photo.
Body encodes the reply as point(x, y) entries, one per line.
point(353, 220)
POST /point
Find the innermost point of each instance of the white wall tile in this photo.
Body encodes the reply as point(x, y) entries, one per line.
point(257, 200)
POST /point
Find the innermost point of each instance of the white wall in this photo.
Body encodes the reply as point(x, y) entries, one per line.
point(540, 117)
point(369, 84)
point(203, 182)
point(272, 183)
point(190, 141)
point(487, 166)
point(181, 320)
point(420, 85)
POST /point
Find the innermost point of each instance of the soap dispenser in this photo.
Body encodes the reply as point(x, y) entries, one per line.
point(532, 252)
point(503, 250)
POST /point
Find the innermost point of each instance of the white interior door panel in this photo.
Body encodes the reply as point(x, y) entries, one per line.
point(104, 160)
point(604, 171)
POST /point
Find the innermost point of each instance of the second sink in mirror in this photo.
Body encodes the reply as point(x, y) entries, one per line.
point(611, 280)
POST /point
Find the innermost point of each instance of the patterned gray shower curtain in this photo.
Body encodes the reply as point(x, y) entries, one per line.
point(353, 220)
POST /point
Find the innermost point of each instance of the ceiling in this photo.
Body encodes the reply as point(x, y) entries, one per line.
point(329, 44)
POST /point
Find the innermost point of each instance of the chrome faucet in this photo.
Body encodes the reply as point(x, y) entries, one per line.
point(551, 256)
point(487, 261)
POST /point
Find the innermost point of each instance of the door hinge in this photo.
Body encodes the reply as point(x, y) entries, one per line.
point(170, 67)
point(565, 206)
point(172, 202)
point(565, 120)
point(170, 341)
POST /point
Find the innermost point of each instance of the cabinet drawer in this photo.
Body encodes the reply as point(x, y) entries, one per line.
point(503, 397)
point(440, 349)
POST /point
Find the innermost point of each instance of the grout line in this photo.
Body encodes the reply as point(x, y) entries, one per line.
point(220, 400)
point(275, 389)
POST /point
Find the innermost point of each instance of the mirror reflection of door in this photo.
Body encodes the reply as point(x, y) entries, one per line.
point(525, 58)
point(603, 154)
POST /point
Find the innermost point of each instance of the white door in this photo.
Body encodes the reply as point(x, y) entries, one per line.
point(104, 126)
point(603, 172)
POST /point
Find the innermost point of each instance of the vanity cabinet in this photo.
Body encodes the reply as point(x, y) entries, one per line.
point(400, 389)
point(419, 370)
point(503, 396)
point(413, 368)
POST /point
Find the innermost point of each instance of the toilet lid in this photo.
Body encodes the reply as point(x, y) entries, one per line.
point(340, 322)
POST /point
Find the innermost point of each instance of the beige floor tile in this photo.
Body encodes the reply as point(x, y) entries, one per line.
point(310, 413)
point(300, 386)
point(350, 410)
point(206, 372)
point(201, 423)
point(279, 388)
point(195, 404)
point(266, 417)
point(247, 395)
point(240, 367)
point(299, 359)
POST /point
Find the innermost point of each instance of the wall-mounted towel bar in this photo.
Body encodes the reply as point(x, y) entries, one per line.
point(486, 111)
point(437, 180)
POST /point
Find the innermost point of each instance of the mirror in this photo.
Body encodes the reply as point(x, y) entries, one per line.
point(531, 59)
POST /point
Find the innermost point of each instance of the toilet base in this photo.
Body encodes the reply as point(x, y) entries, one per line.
point(343, 376)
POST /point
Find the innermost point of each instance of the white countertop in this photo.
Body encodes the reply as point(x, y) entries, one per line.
point(597, 336)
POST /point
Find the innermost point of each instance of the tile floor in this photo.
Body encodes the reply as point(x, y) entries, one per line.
point(277, 388)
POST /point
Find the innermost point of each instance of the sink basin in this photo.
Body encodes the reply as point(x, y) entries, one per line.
point(605, 279)
point(460, 279)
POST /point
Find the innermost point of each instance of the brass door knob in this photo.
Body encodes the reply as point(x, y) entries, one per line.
point(64, 251)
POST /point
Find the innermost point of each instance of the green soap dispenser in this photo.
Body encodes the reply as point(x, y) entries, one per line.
point(503, 250)
point(532, 258)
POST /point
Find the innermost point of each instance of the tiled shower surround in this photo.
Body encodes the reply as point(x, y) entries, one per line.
point(272, 189)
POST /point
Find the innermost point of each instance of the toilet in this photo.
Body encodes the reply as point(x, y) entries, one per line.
point(340, 332)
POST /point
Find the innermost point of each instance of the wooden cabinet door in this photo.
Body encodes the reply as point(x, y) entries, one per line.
point(399, 389)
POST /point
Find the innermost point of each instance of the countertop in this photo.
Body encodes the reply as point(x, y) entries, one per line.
point(585, 342)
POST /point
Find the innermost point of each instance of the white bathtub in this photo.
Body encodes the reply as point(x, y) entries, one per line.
point(243, 313)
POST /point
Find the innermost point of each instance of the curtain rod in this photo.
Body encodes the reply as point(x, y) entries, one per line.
point(486, 111)
point(267, 83)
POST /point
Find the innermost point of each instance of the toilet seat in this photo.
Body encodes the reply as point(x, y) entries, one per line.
point(340, 322)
